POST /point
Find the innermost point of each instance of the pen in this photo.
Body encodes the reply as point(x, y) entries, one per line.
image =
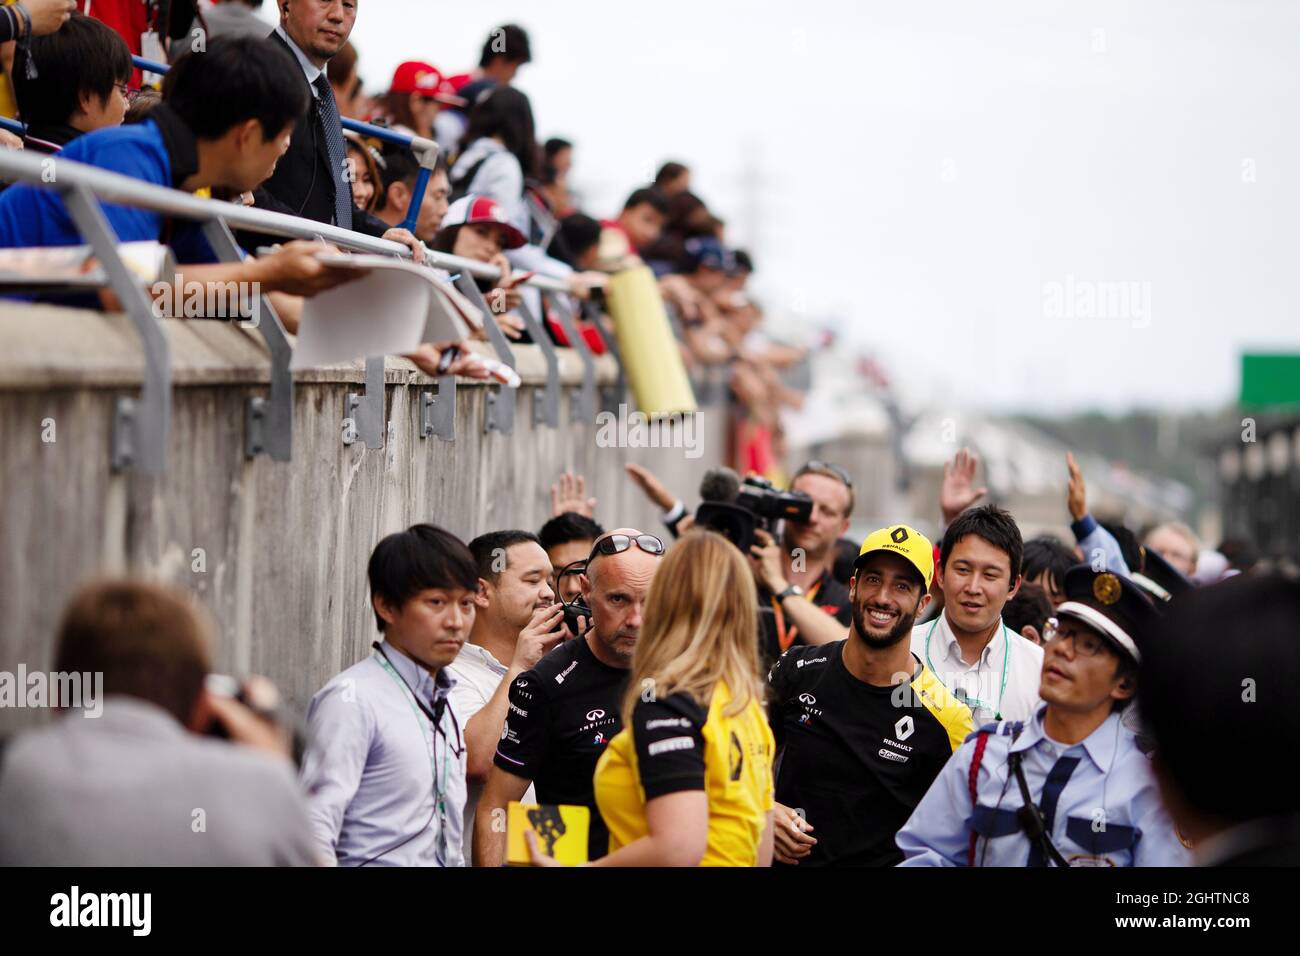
point(448, 356)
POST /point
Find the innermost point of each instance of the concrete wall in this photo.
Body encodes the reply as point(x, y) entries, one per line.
point(285, 544)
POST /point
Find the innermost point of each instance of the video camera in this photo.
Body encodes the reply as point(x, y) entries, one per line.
point(735, 508)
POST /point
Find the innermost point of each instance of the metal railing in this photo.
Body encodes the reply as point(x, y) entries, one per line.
point(141, 425)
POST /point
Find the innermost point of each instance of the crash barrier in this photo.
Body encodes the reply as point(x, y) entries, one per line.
point(276, 551)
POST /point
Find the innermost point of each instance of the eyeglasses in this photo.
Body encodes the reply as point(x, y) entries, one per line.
point(618, 543)
point(834, 469)
point(128, 94)
point(1087, 643)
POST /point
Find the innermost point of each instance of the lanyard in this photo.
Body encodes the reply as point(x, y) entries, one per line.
point(439, 787)
point(1006, 657)
point(783, 637)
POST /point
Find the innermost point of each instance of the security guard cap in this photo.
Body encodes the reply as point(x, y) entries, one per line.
point(1111, 604)
point(904, 541)
point(1160, 579)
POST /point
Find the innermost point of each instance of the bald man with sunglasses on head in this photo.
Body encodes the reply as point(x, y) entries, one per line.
point(563, 712)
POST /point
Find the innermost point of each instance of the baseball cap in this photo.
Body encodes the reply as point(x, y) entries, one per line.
point(708, 253)
point(416, 76)
point(901, 540)
point(475, 210)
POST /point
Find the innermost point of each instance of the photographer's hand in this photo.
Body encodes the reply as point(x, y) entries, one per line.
point(543, 631)
point(243, 726)
point(768, 566)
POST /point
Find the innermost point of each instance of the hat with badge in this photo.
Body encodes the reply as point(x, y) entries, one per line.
point(904, 541)
point(1111, 604)
point(1160, 579)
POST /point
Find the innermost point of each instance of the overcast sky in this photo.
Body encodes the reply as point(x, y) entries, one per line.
point(1025, 205)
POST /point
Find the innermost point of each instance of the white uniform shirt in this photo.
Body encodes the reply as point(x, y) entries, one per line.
point(990, 698)
point(478, 675)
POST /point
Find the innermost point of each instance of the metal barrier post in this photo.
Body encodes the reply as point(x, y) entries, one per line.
point(613, 394)
point(584, 400)
point(140, 427)
point(366, 412)
point(268, 423)
point(546, 403)
point(500, 400)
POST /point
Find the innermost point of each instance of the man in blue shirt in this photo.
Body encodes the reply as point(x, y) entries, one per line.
point(225, 120)
point(385, 769)
point(1073, 786)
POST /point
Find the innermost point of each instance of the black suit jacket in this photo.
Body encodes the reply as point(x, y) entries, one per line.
point(303, 183)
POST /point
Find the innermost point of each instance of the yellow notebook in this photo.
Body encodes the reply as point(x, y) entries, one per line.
point(561, 832)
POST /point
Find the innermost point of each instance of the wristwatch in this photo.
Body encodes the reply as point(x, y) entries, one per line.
point(792, 591)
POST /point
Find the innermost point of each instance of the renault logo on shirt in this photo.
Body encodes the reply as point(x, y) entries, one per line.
point(904, 728)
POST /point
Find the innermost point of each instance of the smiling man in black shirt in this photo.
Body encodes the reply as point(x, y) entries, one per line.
point(862, 727)
point(565, 710)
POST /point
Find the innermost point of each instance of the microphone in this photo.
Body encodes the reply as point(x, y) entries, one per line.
point(720, 484)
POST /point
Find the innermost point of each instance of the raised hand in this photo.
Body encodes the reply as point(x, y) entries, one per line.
point(1078, 494)
point(571, 495)
point(958, 493)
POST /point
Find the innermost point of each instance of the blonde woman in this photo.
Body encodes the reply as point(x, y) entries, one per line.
point(688, 781)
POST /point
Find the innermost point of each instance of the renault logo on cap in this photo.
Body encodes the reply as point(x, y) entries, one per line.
point(898, 535)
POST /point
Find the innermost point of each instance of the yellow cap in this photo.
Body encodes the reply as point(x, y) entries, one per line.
point(905, 541)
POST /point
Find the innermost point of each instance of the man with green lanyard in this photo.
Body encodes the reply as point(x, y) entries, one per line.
point(385, 769)
point(993, 670)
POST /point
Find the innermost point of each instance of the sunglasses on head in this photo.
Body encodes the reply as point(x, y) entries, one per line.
point(618, 543)
point(833, 468)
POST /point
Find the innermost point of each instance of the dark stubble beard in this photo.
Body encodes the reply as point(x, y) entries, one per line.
point(903, 628)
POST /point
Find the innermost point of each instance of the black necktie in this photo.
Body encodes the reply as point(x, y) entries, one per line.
point(329, 120)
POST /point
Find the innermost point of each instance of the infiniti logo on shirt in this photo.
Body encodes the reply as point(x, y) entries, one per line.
point(595, 714)
point(807, 699)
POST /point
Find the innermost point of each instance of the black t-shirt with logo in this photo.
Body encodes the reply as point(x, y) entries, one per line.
point(855, 758)
point(561, 715)
point(832, 597)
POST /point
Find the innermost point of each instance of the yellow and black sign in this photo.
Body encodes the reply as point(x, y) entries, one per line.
point(561, 832)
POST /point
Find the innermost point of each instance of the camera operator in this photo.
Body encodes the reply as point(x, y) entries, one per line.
point(800, 600)
point(145, 781)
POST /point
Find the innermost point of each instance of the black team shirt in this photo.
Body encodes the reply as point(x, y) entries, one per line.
point(561, 716)
point(856, 758)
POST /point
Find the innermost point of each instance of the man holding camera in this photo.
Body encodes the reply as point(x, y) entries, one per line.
point(160, 770)
point(800, 601)
point(562, 712)
point(518, 620)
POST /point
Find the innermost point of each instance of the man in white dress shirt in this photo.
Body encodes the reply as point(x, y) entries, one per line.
point(517, 621)
point(983, 662)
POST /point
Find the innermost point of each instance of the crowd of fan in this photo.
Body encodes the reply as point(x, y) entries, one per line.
point(498, 195)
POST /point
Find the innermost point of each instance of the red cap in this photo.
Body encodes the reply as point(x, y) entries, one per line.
point(472, 210)
point(416, 76)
